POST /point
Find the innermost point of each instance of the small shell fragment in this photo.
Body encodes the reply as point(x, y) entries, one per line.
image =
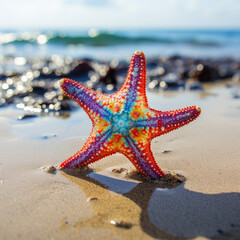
point(122, 224)
point(92, 199)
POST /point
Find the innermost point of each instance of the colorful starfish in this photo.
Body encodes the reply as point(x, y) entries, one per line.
point(123, 122)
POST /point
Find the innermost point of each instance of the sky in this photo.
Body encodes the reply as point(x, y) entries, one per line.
point(119, 14)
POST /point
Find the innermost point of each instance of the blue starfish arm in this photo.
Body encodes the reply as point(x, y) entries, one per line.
point(88, 99)
point(142, 158)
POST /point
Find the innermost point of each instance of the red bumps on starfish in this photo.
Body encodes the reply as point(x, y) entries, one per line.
point(123, 122)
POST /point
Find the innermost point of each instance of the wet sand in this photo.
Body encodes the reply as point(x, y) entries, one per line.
point(103, 203)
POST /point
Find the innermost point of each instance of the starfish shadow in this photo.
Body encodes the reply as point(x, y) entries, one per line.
point(168, 210)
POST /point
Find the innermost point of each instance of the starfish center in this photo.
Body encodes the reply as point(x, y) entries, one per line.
point(121, 123)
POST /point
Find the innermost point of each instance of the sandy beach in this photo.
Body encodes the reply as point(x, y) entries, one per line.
point(172, 70)
point(104, 202)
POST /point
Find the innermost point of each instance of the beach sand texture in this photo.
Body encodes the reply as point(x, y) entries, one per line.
point(103, 204)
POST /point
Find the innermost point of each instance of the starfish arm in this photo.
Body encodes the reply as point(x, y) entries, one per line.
point(167, 121)
point(134, 88)
point(143, 159)
point(87, 98)
point(93, 150)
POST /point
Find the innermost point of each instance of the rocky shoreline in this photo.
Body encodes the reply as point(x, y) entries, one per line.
point(32, 84)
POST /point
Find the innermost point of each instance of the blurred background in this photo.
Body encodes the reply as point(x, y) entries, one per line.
point(186, 42)
point(91, 28)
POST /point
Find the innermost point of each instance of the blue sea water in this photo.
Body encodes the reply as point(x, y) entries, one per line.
point(120, 44)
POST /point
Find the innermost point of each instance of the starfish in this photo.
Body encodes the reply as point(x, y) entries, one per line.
point(123, 122)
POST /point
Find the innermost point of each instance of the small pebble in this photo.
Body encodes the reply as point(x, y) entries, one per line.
point(49, 136)
point(51, 169)
point(166, 151)
point(122, 224)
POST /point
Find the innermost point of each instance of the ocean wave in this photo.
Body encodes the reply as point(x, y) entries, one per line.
point(101, 39)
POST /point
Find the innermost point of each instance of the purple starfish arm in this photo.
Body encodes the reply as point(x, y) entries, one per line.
point(92, 151)
point(85, 97)
point(143, 159)
point(167, 121)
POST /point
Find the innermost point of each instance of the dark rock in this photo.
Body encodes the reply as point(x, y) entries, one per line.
point(39, 90)
point(172, 81)
point(79, 67)
point(203, 73)
point(224, 71)
point(110, 77)
point(175, 57)
point(68, 105)
point(2, 77)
